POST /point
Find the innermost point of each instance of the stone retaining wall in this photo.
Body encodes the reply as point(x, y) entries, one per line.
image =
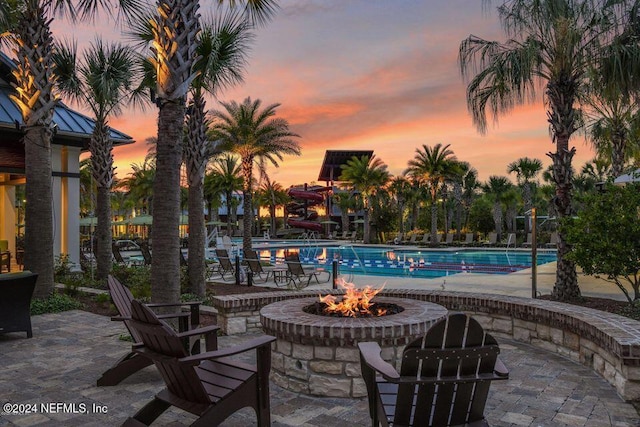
point(605, 342)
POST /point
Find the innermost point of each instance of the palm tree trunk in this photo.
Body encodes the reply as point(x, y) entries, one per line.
point(526, 196)
point(195, 156)
point(366, 238)
point(247, 217)
point(497, 219)
point(102, 171)
point(38, 236)
point(617, 153)
point(36, 101)
point(434, 222)
point(165, 267)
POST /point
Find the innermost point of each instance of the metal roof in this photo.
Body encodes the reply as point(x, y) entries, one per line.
point(70, 123)
point(333, 160)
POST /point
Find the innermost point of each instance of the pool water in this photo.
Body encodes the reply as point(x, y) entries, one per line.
point(412, 263)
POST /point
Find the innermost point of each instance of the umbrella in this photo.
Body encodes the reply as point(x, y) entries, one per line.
point(329, 222)
point(123, 222)
point(629, 177)
point(184, 219)
point(359, 221)
point(88, 221)
point(142, 220)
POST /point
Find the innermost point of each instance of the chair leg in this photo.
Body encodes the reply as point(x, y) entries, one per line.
point(129, 364)
point(148, 413)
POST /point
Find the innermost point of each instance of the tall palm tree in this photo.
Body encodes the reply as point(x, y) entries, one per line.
point(366, 175)
point(555, 43)
point(470, 186)
point(400, 188)
point(526, 170)
point(27, 26)
point(497, 188)
point(175, 28)
point(101, 81)
point(227, 175)
point(272, 195)
point(256, 136)
point(221, 50)
point(139, 185)
point(457, 182)
point(432, 165)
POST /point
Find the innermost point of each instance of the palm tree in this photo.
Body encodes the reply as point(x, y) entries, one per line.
point(175, 28)
point(526, 170)
point(400, 188)
point(102, 81)
point(256, 136)
point(272, 195)
point(221, 51)
point(344, 201)
point(457, 181)
point(432, 166)
point(470, 186)
point(139, 185)
point(227, 176)
point(366, 175)
point(26, 24)
point(497, 188)
point(555, 43)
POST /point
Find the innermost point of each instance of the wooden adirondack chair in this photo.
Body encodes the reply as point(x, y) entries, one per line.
point(210, 385)
point(133, 362)
point(16, 290)
point(444, 379)
point(224, 263)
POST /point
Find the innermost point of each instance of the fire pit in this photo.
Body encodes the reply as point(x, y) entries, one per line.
point(317, 354)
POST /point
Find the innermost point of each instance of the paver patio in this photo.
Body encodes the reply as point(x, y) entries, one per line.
point(70, 350)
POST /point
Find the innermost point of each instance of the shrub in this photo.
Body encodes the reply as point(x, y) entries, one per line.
point(55, 303)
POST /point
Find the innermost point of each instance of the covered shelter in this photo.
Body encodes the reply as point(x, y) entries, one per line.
point(331, 168)
point(72, 133)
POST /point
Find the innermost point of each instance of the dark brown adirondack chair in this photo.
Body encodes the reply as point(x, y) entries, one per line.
point(16, 290)
point(443, 381)
point(299, 275)
point(132, 362)
point(210, 385)
point(224, 263)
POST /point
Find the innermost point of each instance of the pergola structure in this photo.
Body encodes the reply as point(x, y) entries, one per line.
point(72, 134)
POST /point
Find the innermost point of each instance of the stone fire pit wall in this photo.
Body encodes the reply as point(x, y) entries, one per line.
point(318, 355)
point(607, 343)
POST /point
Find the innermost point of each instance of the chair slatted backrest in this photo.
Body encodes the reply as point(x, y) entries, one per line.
point(468, 238)
point(164, 347)
point(146, 254)
point(455, 346)
point(253, 261)
point(224, 260)
point(116, 254)
point(122, 297)
point(294, 265)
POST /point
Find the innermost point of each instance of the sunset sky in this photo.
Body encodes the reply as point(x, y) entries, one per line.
point(366, 74)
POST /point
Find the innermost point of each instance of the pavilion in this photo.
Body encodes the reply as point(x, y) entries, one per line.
point(71, 137)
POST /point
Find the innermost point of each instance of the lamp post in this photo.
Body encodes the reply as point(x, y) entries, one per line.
point(534, 255)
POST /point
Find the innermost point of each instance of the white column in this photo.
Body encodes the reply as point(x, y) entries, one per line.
point(66, 202)
point(56, 167)
point(73, 205)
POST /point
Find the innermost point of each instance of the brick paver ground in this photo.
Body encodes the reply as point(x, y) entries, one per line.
point(70, 350)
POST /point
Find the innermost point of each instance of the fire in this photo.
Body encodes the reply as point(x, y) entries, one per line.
point(355, 302)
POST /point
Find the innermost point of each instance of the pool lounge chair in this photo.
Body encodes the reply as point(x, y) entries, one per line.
point(468, 239)
point(426, 239)
point(224, 265)
point(553, 240)
point(528, 242)
point(411, 240)
point(300, 276)
point(449, 239)
point(492, 241)
point(256, 268)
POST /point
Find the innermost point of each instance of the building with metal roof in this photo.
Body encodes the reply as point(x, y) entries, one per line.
point(72, 133)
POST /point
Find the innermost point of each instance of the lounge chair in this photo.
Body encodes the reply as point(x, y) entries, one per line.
point(132, 362)
point(468, 239)
point(553, 240)
point(511, 240)
point(449, 239)
point(16, 290)
point(256, 268)
point(396, 240)
point(426, 239)
point(224, 264)
point(412, 240)
point(443, 381)
point(345, 235)
point(528, 242)
point(210, 385)
point(492, 240)
point(299, 276)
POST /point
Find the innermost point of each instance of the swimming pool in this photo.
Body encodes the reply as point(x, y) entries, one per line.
point(380, 261)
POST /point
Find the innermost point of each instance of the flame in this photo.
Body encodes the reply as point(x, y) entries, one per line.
point(355, 302)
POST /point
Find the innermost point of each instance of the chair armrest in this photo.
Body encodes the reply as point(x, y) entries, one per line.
point(172, 315)
point(173, 304)
point(370, 353)
point(500, 370)
point(246, 346)
point(119, 318)
point(199, 331)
